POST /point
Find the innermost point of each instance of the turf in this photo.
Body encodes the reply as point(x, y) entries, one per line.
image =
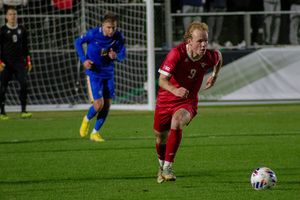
point(45, 158)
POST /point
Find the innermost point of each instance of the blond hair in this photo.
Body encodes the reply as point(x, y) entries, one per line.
point(195, 26)
point(110, 17)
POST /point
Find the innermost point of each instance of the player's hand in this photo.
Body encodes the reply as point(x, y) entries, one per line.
point(28, 64)
point(181, 92)
point(112, 54)
point(1, 65)
point(88, 64)
point(210, 82)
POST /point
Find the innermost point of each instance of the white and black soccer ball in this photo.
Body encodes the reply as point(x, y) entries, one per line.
point(263, 178)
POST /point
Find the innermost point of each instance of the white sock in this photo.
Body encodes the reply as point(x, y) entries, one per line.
point(94, 131)
point(167, 164)
point(86, 119)
point(161, 162)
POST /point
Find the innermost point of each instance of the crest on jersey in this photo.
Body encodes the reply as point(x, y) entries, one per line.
point(186, 60)
point(113, 42)
point(19, 31)
point(166, 68)
point(203, 65)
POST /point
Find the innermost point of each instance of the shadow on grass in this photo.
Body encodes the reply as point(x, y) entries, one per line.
point(72, 139)
point(243, 135)
point(150, 137)
point(56, 181)
point(37, 140)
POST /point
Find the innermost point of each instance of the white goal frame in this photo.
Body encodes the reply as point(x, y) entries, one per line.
point(149, 85)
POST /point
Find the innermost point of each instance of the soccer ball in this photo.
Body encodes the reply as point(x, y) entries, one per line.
point(263, 178)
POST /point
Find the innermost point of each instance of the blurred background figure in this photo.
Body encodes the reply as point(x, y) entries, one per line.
point(215, 23)
point(4, 4)
point(15, 3)
point(294, 22)
point(191, 6)
point(272, 21)
point(237, 26)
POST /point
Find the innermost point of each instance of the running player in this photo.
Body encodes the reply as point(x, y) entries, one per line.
point(14, 60)
point(104, 46)
point(181, 76)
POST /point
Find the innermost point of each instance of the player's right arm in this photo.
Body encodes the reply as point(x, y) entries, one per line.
point(166, 71)
point(166, 85)
point(78, 45)
point(88, 64)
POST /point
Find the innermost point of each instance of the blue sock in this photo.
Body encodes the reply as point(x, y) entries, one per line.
point(100, 119)
point(92, 112)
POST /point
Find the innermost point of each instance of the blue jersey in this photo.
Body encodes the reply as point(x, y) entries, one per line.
point(98, 47)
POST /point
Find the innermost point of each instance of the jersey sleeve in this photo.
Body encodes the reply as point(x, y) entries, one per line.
point(25, 43)
point(84, 38)
point(169, 63)
point(217, 55)
point(121, 55)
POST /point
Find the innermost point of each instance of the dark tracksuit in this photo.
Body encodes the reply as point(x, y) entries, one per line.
point(14, 50)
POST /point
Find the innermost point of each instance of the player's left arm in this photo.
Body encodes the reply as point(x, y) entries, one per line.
point(1, 36)
point(212, 79)
point(26, 51)
point(121, 54)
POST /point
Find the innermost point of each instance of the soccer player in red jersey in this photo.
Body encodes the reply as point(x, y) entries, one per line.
point(181, 76)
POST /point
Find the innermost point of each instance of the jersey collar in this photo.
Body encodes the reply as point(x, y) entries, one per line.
point(187, 52)
point(11, 26)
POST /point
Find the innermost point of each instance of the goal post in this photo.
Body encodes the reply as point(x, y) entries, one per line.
point(150, 55)
point(58, 81)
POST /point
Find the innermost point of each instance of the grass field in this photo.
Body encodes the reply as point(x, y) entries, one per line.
point(45, 158)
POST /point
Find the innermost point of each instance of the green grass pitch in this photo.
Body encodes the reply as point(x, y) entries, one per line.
point(45, 158)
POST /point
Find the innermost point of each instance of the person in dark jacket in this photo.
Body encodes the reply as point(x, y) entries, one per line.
point(14, 60)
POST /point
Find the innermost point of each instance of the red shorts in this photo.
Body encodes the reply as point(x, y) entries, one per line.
point(163, 116)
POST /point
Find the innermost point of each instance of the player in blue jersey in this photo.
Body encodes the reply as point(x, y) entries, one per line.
point(104, 46)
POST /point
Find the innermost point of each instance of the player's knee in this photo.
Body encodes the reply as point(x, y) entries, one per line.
point(161, 138)
point(106, 106)
point(177, 125)
point(177, 122)
point(98, 107)
point(107, 103)
point(98, 104)
point(161, 141)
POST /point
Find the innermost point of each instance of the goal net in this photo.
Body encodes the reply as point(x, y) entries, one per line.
point(57, 80)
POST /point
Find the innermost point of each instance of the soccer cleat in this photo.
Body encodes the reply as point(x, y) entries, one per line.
point(160, 179)
point(96, 137)
point(26, 115)
point(168, 174)
point(84, 127)
point(4, 117)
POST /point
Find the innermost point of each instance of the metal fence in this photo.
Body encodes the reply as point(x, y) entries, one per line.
point(237, 30)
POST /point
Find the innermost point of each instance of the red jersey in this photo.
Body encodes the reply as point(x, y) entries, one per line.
point(185, 72)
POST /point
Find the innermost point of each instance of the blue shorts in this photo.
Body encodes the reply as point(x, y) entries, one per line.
point(101, 87)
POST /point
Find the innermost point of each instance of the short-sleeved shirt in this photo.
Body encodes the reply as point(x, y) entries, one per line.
point(185, 72)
